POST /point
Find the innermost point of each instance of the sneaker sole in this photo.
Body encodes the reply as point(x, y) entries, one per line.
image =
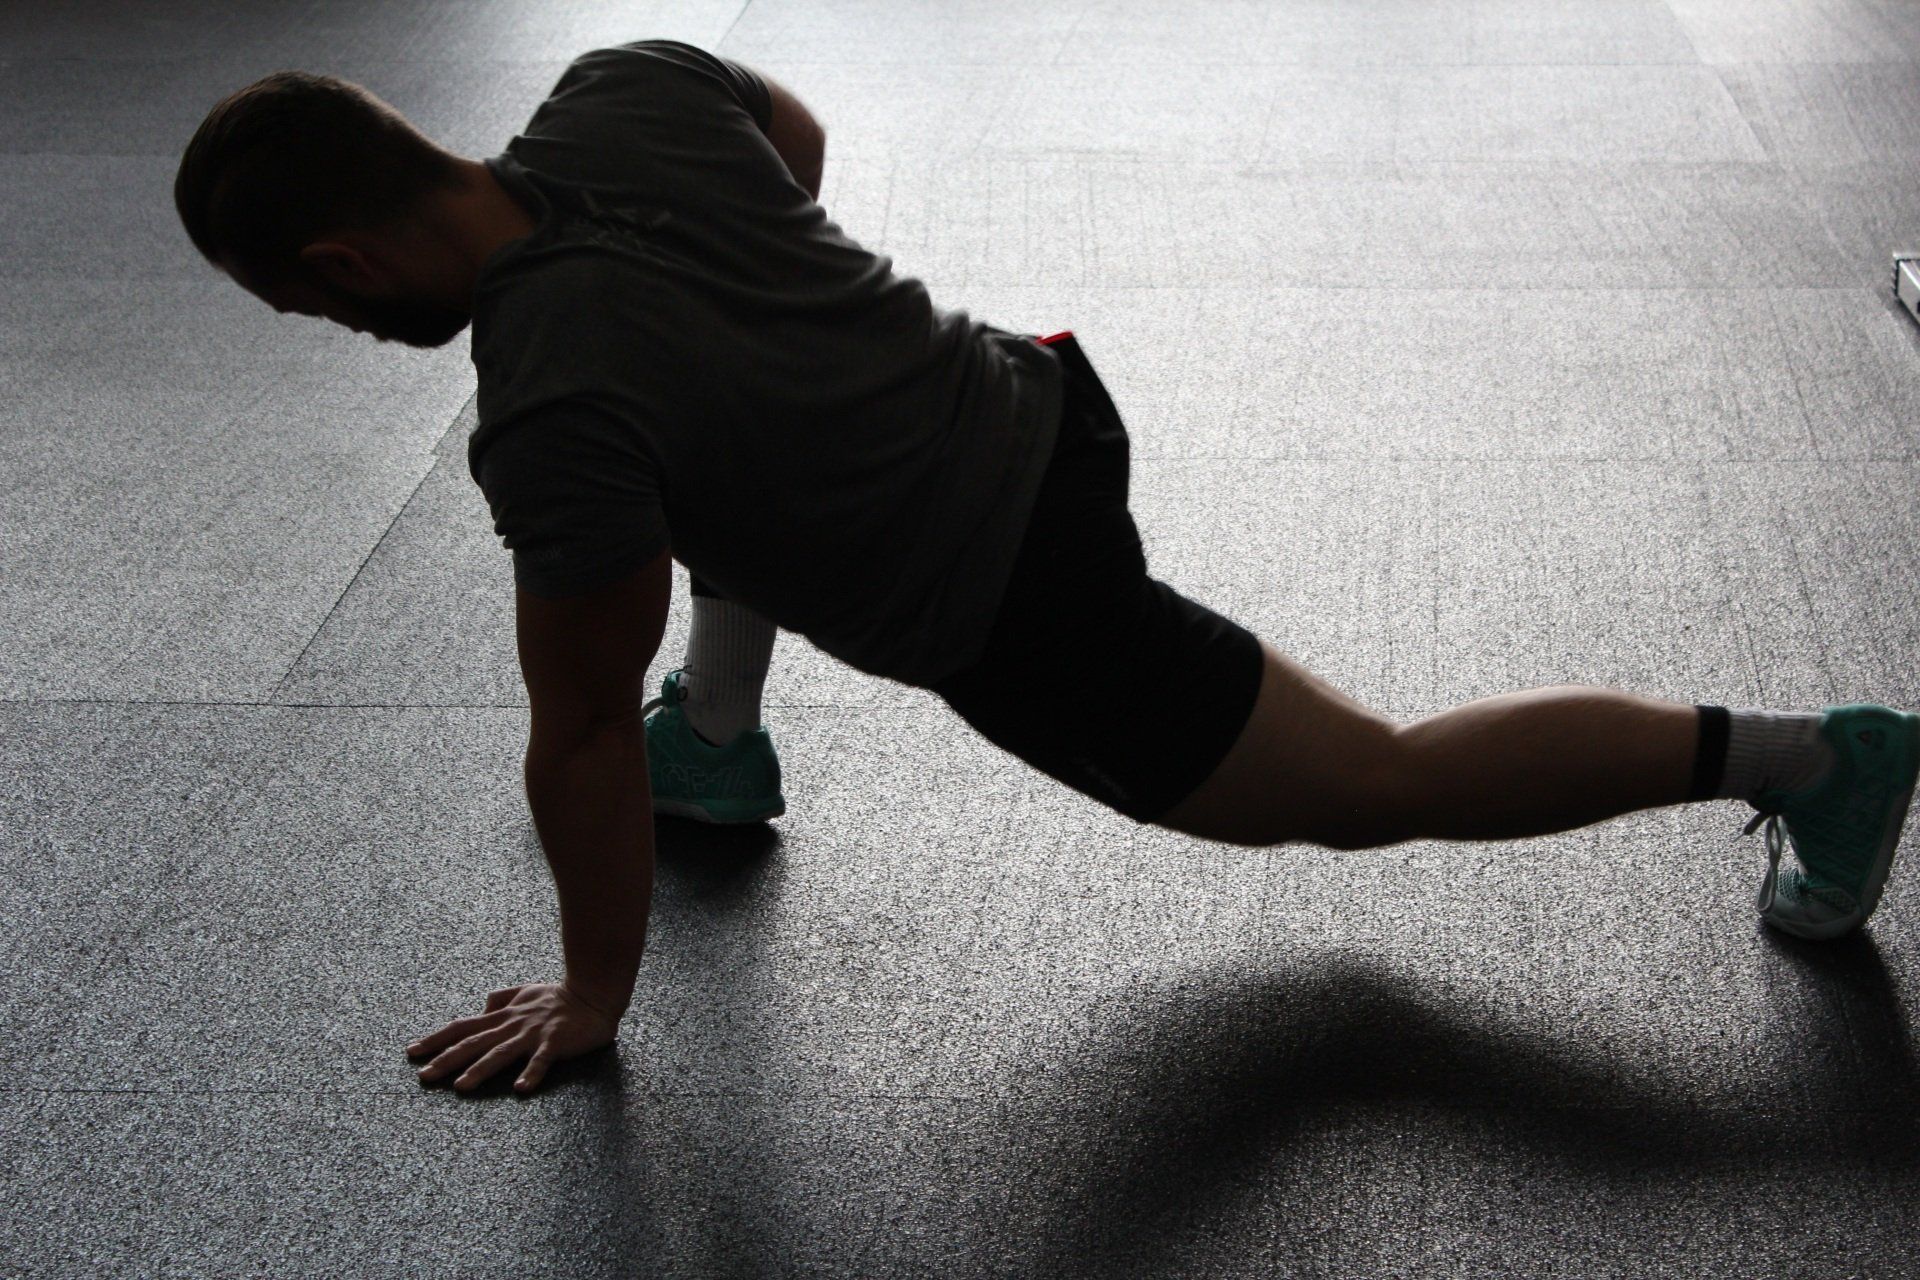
point(699, 813)
point(1876, 879)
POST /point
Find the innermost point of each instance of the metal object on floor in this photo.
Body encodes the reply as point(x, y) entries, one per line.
point(1906, 281)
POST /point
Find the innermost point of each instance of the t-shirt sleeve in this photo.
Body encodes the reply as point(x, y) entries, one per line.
point(743, 83)
point(575, 497)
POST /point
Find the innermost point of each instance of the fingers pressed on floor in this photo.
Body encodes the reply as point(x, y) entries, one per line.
point(536, 1070)
point(461, 1054)
point(495, 1058)
point(453, 1032)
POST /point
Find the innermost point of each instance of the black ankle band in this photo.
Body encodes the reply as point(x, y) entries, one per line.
point(1710, 760)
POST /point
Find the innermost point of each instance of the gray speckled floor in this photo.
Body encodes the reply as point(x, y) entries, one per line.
point(1466, 345)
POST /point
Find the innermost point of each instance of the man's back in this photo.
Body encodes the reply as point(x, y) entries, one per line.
point(688, 352)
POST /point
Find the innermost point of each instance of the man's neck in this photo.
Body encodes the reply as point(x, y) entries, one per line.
point(483, 216)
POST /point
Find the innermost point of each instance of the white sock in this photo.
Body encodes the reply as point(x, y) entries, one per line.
point(728, 652)
point(1780, 749)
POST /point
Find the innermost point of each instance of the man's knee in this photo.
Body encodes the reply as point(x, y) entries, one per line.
point(1373, 798)
point(1387, 797)
point(1311, 765)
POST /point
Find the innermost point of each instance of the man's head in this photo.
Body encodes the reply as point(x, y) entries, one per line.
point(317, 197)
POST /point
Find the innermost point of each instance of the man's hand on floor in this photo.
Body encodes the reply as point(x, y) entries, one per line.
point(542, 1022)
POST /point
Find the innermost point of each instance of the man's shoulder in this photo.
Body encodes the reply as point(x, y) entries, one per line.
point(570, 302)
point(567, 264)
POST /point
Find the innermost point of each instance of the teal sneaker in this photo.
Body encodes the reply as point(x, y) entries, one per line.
point(1844, 828)
point(692, 778)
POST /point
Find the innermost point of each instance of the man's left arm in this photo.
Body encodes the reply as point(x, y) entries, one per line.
point(585, 660)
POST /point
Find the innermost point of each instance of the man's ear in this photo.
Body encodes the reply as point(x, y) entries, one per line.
point(339, 265)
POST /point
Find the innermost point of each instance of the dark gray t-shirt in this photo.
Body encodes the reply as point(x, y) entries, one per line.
point(689, 354)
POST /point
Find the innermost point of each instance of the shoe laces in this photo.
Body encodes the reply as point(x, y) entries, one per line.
point(1776, 845)
point(647, 707)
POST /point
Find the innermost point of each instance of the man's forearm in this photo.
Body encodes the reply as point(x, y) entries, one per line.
point(593, 810)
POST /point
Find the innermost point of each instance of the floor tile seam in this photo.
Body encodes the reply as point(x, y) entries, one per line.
point(878, 708)
point(1880, 638)
point(875, 709)
point(1732, 103)
point(1818, 633)
point(1793, 371)
point(1066, 41)
point(381, 706)
point(406, 1091)
point(1048, 64)
point(273, 706)
point(1145, 452)
point(1015, 153)
point(718, 45)
point(1687, 35)
point(452, 426)
point(1149, 455)
point(1210, 288)
point(1358, 1102)
point(1798, 167)
point(1235, 285)
point(433, 465)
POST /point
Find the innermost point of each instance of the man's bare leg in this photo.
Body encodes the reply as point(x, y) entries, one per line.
point(1313, 764)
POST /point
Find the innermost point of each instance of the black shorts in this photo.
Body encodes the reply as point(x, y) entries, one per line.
point(1096, 673)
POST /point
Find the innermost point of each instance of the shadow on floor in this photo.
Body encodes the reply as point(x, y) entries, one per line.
point(712, 861)
point(1175, 1101)
point(1183, 1098)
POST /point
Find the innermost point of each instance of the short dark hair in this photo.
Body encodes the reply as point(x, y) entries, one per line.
point(294, 155)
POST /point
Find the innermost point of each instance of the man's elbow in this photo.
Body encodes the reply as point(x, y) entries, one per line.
point(806, 160)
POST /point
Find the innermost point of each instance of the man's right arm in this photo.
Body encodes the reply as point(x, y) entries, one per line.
point(585, 662)
point(585, 659)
